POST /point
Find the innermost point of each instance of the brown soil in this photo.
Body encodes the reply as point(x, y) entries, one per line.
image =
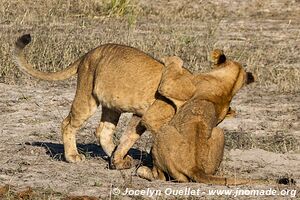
point(262, 141)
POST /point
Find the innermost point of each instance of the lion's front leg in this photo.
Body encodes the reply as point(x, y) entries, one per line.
point(120, 159)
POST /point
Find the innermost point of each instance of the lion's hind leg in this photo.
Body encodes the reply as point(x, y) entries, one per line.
point(82, 108)
point(215, 151)
point(146, 173)
point(179, 177)
point(158, 174)
point(151, 174)
point(106, 128)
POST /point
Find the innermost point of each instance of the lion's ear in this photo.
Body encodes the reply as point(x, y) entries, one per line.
point(218, 57)
point(178, 62)
point(175, 84)
point(249, 78)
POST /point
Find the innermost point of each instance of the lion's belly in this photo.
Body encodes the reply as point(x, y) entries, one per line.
point(127, 88)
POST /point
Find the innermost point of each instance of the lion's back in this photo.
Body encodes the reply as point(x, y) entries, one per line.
point(127, 79)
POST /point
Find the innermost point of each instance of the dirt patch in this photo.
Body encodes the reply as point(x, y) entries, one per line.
point(32, 153)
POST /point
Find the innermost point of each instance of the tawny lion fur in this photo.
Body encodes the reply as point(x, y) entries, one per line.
point(190, 146)
point(120, 78)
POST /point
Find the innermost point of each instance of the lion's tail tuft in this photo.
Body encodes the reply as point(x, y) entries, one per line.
point(21, 62)
point(23, 41)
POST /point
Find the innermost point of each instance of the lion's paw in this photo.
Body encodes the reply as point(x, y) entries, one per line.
point(75, 158)
point(125, 163)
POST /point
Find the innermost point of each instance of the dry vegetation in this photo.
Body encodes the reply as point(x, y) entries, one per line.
point(262, 35)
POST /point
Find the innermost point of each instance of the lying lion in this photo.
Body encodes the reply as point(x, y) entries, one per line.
point(191, 146)
point(121, 79)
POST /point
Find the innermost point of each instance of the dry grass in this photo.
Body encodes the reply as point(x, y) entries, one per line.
point(263, 35)
point(278, 142)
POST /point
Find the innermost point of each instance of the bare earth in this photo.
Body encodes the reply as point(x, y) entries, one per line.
point(32, 153)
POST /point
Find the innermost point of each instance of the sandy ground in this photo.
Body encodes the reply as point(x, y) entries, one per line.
point(32, 153)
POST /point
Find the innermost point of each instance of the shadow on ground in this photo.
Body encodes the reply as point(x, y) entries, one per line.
point(56, 151)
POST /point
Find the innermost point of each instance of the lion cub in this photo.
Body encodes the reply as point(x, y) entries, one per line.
point(120, 79)
point(190, 146)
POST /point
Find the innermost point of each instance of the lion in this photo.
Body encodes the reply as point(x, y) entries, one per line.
point(121, 79)
point(190, 146)
point(178, 86)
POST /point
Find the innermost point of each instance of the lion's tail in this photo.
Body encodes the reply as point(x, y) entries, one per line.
point(21, 62)
point(217, 180)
